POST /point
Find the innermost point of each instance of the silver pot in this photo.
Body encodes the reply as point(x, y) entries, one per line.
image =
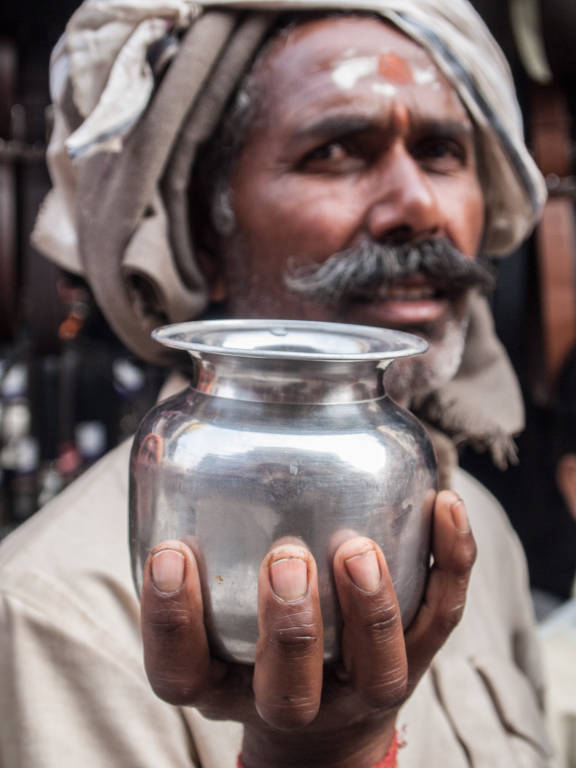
point(285, 431)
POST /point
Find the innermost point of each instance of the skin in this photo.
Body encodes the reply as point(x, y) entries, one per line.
point(322, 167)
point(566, 479)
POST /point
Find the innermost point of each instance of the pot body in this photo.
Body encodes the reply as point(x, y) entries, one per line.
point(261, 448)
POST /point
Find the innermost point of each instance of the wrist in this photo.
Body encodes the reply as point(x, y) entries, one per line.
point(358, 750)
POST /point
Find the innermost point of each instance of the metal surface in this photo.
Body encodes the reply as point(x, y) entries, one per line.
point(285, 431)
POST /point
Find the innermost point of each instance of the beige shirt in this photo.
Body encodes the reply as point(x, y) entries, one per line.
point(73, 693)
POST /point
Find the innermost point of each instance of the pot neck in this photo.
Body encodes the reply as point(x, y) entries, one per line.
point(274, 380)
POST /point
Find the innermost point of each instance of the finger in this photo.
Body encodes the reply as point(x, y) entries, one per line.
point(454, 551)
point(288, 669)
point(176, 650)
point(373, 639)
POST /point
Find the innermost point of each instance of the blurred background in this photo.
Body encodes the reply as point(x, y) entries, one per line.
point(69, 391)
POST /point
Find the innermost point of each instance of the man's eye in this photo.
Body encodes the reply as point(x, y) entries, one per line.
point(332, 157)
point(441, 155)
point(332, 151)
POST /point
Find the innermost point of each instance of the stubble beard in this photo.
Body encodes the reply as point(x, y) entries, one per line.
point(409, 381)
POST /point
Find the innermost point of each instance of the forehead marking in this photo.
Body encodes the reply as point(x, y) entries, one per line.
point(348, 72)
point(425, 75)
point(395, 69)
point(386, 89)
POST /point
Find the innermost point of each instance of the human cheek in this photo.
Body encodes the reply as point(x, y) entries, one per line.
point(464, 215)
point(316, 218)
point(472, 229)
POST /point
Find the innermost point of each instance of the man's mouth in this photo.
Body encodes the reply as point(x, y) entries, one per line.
point(401, 292)
point(413, 301)
point(416, 287)
point(404, 293)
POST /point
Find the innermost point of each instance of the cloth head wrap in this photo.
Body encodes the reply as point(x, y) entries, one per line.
point(138, 85)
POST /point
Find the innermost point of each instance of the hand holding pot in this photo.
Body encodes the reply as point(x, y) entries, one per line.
point(294, 709)
point(284, 430)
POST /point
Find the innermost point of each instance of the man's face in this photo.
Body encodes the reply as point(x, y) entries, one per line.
point(358, 137)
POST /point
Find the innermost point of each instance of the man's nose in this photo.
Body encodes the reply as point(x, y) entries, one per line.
point(404, 206)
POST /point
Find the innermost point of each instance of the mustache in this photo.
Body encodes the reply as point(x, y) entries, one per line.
point(363, 269)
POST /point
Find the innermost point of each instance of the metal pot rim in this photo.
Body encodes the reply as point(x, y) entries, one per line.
point(303, 340)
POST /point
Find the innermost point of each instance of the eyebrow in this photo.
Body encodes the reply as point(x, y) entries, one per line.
point(343, 125)
point(439, 128)
point(334, 125)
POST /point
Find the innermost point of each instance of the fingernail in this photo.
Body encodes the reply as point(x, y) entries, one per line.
point(289, 578)
point(168, 570)
point(364, 570)
point(459, 517)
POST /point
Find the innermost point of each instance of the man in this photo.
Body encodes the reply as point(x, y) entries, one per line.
point(353, 176)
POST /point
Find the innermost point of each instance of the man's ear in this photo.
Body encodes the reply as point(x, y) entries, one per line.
point(566, 479)
point(209, 252)
point(212, 267)
point(218, 289)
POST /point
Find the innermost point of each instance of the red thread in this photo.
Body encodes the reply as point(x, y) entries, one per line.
point(389, 760)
